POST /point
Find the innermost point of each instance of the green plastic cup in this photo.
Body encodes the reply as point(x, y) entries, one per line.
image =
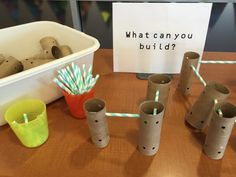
point(35, 132)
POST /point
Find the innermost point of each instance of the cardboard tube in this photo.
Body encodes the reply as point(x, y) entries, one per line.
point(65, 50)
point(187, 74)
point(150, 127)
point(2, 58)
point(95, 110)
point(48, 42)
point(199, 114)
point(219, 130)
point(31, 62)
point(53, 53)
point(159, 82)
point(10, 66)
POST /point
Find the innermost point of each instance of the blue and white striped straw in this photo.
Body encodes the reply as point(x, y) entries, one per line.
point(217, 62)
point(62, 86)
point(84, 73)
point(71, 78)
point(156, 99)
point(219, 110)
point(26, 119)
point(67, 83)
point(76, 76)
point(198, 75)
point(111, 114)
point(157, 95)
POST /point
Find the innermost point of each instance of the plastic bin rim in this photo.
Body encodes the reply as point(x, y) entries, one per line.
point(28, 73)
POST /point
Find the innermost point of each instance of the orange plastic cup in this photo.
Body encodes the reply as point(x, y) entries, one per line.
point(76, 102)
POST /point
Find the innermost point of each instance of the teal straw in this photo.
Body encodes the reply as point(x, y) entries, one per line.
point(73, 81)
point(62, 86)
point(92, 83)
point(219, 110)
point(217, 62)
point(77, 77)
point(81, 85)
point(67, 83)
point(198, 75)
point(63, 76)
point(69, 79)
point(89, 75)
point(84, 73)
point(25, 117)
point(72, 76)
point(156, 99)
point(110, 114)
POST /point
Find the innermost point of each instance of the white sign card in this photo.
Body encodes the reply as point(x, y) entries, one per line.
point(153, 37)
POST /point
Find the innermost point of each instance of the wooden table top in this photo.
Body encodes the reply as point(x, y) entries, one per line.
point(69, 152)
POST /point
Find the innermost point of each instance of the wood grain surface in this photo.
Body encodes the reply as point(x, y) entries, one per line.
point(69, 152)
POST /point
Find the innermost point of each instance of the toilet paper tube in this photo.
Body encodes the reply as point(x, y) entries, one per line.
point(48, 42)
point(2, 58)
point(199, 114)
point(31, 62)
point(95, 110)
point(65, 50)
point(10, 66)
point(219, 130)
point(187, 74)
point(159, 82)
point(150, 127)
point(51, 53)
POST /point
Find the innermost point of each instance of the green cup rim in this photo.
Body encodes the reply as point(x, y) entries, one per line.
point(18, 102)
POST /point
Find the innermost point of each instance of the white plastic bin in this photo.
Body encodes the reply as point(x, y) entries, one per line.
point(23, 41)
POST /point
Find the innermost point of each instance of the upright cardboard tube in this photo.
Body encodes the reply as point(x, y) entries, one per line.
point(159, 82)
point(10, 66)
point(220, 130)
point(48, 42)
point(65, 50)
point(187, 74)
point(150, 127)
point(199, 114)
point(95, 110)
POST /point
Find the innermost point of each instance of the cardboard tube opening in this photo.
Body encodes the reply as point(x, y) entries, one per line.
point(220, 88)
point(191, 55)
point(159, 79)
point(147, 107)
point(94, 105)
point(228, 109)
point(47, 42)
point(56, 52)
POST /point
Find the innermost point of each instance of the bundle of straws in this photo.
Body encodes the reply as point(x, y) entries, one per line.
point(73, 81)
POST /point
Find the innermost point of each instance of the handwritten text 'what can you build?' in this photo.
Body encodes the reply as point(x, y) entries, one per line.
point(159, 45)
